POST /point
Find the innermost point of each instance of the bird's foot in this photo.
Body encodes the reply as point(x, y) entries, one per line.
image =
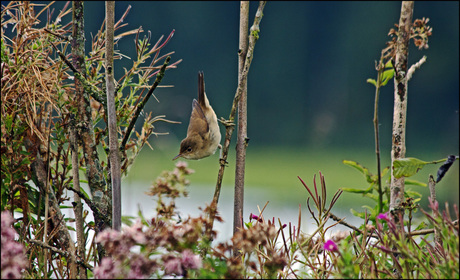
point(225, 122)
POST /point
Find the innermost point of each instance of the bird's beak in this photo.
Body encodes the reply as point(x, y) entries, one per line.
point(176, 157)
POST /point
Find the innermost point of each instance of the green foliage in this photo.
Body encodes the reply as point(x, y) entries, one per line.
point(371, 191)
point(39, 112)
point(407, 167)
point(385, 76)
point(410, 166)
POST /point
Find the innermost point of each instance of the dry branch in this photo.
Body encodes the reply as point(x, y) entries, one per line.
point(229, 125)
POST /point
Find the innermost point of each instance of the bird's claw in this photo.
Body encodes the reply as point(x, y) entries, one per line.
point(223, 162)
point(225, 122)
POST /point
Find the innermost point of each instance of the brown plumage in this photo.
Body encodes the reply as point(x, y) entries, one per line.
point(203, 134)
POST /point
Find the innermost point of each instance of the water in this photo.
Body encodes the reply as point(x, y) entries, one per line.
point(134, 198)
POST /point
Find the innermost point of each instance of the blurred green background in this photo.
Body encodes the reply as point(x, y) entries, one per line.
point(309, 106)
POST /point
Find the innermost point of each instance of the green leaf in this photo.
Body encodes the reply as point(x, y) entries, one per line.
point(360, 168)
point(372, 196)
point(142, 217)
point(371, 210)
point(357, 214)
point(413, 194)
point(127, 220)
point(387, 76)
point(407, 167)
point(384, 171)
point(422, 225)
point(414, 183)
point(352, 190)
point(8, 122)
point(372, 81)
point(389, 64)
point(248, 225)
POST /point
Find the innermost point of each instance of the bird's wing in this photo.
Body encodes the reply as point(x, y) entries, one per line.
point(198, 122)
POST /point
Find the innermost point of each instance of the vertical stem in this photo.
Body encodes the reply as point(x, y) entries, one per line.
point(45, 230)
point(380, 70)
point(100, 191)
point(112, 117)
point(78, 53)
point(432, 187)
point(241, 143)
point(398, 150)
point(60, 233)
point(78, 207)
point(253, 37)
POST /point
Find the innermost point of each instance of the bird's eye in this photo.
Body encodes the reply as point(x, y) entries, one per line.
point(189, 149)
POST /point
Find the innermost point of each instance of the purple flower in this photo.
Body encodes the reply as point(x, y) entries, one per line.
point(180, 265)
point(114, 242)
point(108, 269)
point(181, 164)
point(141, 267)
point(255, 217)
point(173, 266)
point(383, 216)
point(331, 246)
point(135, 233)
point(12, 256)
point(190, 260)
point(108, 235)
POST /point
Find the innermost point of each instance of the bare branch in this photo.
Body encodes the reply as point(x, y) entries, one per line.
point(415, 67)
point(229, 125)
point(60, 252)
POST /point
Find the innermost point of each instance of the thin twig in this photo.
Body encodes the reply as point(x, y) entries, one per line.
point(90, 203)
point(114, 158)
point(242, 125)
point(45, 234)
point(59, 251)
point(141, 105)
point(342, 222)
point(415, 67)
point(229, 125)
point(65, 38)
point(78, 58)
point(412, 233)
point(381, 68)
point(92, 89)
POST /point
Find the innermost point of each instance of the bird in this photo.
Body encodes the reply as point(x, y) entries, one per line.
point(203, 134)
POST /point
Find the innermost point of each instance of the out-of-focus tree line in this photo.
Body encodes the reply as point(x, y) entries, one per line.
point(308, 82)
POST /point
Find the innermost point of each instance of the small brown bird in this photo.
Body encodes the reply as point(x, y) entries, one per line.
point(203, 134)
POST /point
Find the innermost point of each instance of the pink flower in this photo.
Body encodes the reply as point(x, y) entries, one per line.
point(331, 246)
point(141, 267)
point(13, 259)
point(181, 264)
point(255, 217)
point(383, 216)
point(108, 269)
point(173, 266)
point(181, 164)
point(135, 233)
point(190, 260)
